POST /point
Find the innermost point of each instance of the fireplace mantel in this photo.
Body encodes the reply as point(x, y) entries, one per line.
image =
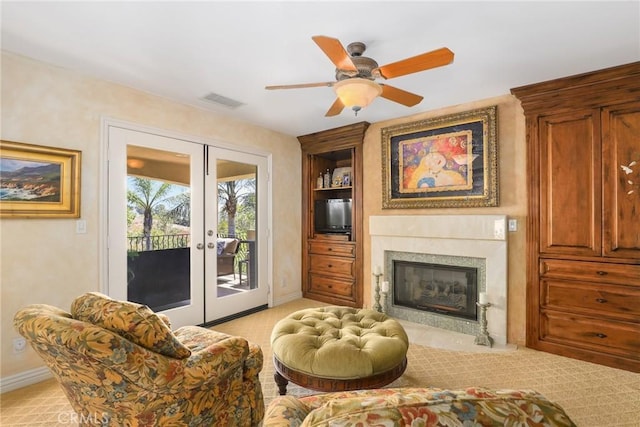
point(477, 236)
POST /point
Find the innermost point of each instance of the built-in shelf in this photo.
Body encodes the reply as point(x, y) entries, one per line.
point(332, 263)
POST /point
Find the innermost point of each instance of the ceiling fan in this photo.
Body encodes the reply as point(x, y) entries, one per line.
point(355, 84)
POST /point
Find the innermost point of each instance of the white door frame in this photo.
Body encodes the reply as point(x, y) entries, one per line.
point(106, 123)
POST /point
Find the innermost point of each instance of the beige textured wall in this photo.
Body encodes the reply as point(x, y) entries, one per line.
point(44, 260)
point(513, 202)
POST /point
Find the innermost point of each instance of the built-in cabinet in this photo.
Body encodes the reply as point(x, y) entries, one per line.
point(332, 257)
point(583, 237)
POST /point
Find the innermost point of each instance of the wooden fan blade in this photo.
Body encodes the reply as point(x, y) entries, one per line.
point(425, 61)
point(336, 52)
point(300, 86)
point(400, 96)
point(335, 109)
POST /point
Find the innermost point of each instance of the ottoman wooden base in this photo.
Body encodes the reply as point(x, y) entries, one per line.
point(284, 374)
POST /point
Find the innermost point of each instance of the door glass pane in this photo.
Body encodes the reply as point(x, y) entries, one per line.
point(236, 244)
point(158, 228)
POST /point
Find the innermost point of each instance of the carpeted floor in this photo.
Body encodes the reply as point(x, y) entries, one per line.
point(592, 395)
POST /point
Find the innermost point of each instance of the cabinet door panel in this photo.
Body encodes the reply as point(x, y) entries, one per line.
point(621, 137)
point(570, 184)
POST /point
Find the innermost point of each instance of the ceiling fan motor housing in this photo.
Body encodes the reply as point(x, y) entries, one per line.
point(364, 65)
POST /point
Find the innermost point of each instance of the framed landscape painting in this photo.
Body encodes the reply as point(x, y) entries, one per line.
point(443, 162)
point(38, 181)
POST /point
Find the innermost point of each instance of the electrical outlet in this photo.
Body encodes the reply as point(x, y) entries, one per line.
point(19, 345)
point(513, 225)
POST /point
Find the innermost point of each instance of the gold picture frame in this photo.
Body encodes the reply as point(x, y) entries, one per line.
point(444, 162)
point(38, 181)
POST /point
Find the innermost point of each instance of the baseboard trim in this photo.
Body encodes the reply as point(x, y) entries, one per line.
point(234, 316)
point(287, 298)
point(23, 379)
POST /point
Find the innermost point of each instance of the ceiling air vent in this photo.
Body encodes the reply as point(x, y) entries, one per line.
point(222, 100)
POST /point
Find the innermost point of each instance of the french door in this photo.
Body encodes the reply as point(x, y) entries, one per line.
point(241, 176)
point(172, 204)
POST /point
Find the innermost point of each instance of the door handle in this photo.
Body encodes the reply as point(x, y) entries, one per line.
point(200, 246)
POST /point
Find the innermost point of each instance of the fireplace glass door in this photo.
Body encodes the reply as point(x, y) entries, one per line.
point(442, 289)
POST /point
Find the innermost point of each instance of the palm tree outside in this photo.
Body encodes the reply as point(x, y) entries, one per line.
point(145, 196)
point(236, 199)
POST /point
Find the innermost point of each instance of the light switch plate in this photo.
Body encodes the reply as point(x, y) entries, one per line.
point(81, 226)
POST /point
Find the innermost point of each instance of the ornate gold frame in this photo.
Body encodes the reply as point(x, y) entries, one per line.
point(444, 162)
point(52, 191)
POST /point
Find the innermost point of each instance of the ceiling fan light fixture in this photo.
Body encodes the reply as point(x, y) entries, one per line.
point(357, 93)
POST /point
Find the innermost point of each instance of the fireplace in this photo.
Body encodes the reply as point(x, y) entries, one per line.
point(465, 246)
point(448, 290)
point(432, 279)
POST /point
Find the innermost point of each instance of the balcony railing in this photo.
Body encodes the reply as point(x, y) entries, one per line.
point(165, 241)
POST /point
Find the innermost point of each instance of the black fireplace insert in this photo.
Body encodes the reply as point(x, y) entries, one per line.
point(443, 289)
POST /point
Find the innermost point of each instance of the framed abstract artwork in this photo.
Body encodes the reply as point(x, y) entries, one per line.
point(38, 181)
point(442, 162)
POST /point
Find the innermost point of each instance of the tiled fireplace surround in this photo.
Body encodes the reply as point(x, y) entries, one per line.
point(417, 237)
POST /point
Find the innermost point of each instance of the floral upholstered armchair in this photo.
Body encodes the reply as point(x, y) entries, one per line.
point(120, 364)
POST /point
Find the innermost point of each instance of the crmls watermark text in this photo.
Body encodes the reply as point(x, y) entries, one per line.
point(74, 418)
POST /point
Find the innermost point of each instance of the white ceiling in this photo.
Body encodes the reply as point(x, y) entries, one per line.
point(186, 50)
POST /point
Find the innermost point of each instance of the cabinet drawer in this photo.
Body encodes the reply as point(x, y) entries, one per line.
point(613, 300)
point(622, 274)
point(331, 248)
point(608, 336)
point(329, 286)
point(331, 266)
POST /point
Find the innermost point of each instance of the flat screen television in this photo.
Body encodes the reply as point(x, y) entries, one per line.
point(332, 216)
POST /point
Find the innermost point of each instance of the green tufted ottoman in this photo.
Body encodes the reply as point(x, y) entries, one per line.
point(338, 348)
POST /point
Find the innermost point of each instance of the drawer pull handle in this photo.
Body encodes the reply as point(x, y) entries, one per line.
point(601, 273)
point(601, 335)
point(601, 300)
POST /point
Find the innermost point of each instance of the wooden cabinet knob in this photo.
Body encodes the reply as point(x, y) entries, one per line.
point(600, 335)
point(601, 300)
point(601, 273)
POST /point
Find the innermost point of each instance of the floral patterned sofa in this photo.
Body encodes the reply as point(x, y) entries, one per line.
point(417, 407)
point(120, 364)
